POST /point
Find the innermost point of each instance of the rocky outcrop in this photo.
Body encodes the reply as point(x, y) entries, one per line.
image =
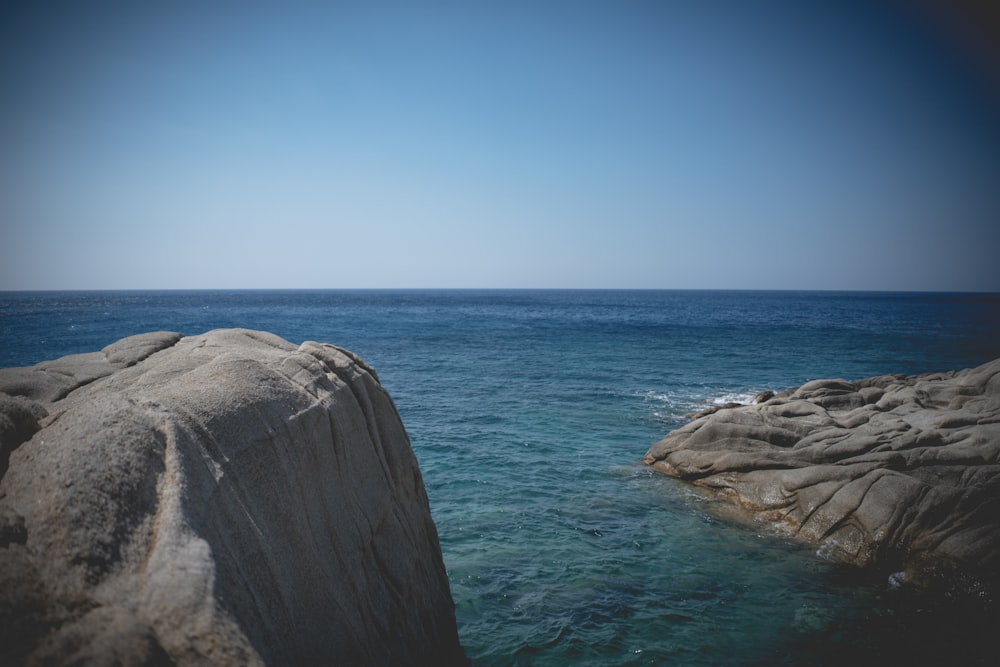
point(228, 498)
point(901, 472)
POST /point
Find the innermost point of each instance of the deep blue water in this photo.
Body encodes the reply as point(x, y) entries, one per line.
point(529, 411)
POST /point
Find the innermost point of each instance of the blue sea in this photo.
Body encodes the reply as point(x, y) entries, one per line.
point(529, 412)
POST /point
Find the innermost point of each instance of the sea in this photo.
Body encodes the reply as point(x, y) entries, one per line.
point(530, 411)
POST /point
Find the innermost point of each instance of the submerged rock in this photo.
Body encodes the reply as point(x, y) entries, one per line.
point(895, 471)
point(712, 410)
point(228, 498)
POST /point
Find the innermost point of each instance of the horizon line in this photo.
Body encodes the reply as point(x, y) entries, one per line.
point(491, 289)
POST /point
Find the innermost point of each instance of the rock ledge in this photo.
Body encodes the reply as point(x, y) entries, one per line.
point(891, 471)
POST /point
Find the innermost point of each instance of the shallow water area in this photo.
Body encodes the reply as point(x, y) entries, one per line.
point(529, 412)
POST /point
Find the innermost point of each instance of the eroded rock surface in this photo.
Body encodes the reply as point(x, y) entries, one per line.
point(228, 498)
point(902, 472)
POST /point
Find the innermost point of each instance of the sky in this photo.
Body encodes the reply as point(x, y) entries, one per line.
point(579, 144)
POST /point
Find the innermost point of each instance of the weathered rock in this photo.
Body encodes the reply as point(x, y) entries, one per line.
point(902, 472)
point(228, 498)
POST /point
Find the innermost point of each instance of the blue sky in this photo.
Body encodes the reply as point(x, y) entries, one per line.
point(640, 144)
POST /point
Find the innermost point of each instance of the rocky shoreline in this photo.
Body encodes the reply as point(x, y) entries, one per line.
point(222, 499)
point(894, 472)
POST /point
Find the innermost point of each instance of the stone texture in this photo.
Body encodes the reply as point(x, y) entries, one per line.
point(894, 471)
point(228, 498)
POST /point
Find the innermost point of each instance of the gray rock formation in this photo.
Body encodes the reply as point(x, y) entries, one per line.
point(228, 498)
point(895, 471)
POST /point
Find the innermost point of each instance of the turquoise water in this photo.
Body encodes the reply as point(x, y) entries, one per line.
point(529, 412)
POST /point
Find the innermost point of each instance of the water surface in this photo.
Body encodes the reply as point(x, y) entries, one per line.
point(529, 412)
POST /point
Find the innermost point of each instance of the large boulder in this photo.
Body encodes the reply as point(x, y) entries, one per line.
point(228, 498)
point(895, 471)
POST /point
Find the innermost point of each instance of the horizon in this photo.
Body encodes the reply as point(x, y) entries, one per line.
point(840, 146)
point(195, 290)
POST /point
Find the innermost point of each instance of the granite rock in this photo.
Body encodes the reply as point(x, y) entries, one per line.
point(900, 472)
point(228, 498)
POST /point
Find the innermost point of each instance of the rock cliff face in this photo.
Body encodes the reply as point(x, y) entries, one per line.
point(228, 498)
point(901, 472)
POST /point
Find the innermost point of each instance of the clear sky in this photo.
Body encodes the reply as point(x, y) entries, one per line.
point(762, 144)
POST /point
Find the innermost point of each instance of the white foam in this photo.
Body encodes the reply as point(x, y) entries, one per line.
point(655, 396)
point(669, 407)
point(745, 398)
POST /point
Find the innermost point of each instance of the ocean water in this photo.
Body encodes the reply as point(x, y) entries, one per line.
point(529, 412)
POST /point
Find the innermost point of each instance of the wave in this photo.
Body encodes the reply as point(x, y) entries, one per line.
point(676, 407)
point(741, 397)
